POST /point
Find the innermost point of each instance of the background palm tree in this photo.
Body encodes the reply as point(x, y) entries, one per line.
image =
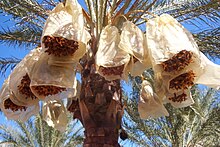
point(29, 17)
point(185, 127)
point(36, 133)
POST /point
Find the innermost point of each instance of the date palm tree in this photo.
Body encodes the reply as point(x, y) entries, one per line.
point(101, 105)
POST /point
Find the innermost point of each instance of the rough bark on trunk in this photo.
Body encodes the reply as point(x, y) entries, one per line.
point(100, 108)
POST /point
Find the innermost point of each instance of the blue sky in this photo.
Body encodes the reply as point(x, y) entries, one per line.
point(9, 51)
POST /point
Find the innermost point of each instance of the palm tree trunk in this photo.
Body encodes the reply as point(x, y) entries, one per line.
point(100, 108)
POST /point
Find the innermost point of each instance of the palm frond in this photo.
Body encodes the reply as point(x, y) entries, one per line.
point(30, 133)
point(28, 18)
point(204, 10)
point(23, 8)
point(209, 41)
point(23, 36)
point(40, 134)
point(27, 132)
point(189, 9)
point(6, 63)
point(76, 136)
point(9, 134)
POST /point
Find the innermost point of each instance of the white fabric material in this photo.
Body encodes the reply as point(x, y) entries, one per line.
point(67, 22)
point(133, 41)
point(72, 93)
point(21, 115)
point(21, 69)
point(189, 100)
point(61, 76)
point(109, 54)
point(55, 114)
point(149, 105)
point(211, 75)
point(165, 38)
